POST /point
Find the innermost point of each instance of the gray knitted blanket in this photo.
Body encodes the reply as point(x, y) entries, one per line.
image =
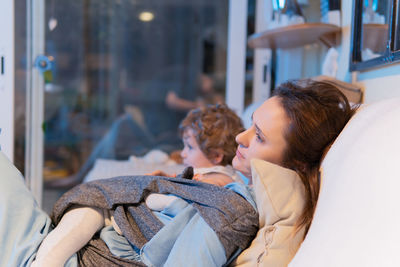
point(232, 218)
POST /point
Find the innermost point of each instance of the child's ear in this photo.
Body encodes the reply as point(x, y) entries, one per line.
point(217, 156)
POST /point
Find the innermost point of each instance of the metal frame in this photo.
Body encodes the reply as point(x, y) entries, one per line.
point(391, 55)
point(396, 23)
point(34, 98)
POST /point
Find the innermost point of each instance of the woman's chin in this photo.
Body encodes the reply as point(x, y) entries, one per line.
point(235, 163)
point(238, 165)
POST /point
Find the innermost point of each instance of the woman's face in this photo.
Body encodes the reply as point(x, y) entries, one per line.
point(264, 139)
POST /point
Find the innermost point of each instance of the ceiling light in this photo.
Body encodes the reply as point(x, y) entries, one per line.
point(146, 16)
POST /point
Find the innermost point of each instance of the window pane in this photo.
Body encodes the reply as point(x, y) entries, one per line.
point(123, 75)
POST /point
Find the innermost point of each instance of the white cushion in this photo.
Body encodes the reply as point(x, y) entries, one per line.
point(357, 220)
point(279, 196)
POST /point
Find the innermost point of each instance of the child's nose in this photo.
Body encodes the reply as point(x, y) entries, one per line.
point(183, 153)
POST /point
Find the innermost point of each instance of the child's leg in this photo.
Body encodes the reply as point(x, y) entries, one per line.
point(75, 229)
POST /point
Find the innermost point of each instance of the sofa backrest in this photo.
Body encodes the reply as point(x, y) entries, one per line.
point(357, 220)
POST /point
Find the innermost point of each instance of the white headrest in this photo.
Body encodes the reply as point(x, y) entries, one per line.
point(357, 220)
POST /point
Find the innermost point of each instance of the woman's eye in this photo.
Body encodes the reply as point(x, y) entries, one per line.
point(259, 139)
point(189, 146)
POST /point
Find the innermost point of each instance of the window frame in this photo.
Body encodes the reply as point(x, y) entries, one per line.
point(390, 56)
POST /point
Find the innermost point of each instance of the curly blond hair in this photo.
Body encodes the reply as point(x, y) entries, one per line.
point(215, 127)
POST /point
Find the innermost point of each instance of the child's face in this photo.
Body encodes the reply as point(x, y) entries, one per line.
point(192, 154)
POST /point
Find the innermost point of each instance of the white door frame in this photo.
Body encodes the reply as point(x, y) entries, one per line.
point(262, 57)
point(34, 98)
point(7, 78)
point(236, 62)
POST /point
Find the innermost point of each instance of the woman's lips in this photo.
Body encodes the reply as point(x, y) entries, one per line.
point(239, 155)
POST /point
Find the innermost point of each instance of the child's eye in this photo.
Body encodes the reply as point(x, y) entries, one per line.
point(185, 144)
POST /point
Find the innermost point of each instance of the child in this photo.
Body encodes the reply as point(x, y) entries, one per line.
point(208, 136)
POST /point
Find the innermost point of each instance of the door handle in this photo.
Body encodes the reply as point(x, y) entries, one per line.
point(44, 63)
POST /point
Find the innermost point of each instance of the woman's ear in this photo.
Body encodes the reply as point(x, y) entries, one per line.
point(216, 156)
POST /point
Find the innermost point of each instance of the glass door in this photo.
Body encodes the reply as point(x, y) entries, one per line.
point(110, 79)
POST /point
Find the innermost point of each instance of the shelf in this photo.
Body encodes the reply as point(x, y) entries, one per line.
point(295, 36)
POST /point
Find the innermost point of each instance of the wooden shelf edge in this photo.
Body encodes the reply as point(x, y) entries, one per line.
point(295, 36)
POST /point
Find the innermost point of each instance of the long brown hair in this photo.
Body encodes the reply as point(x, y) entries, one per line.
point(317, 111)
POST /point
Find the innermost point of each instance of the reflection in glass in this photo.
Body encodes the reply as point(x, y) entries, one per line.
point(124, 74)
point(375, 28)
point(20, 85)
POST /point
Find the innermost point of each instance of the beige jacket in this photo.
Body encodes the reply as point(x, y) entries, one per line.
point(279, 195)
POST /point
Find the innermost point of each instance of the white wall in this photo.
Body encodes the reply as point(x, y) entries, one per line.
point(7, 77)
point(379, 83)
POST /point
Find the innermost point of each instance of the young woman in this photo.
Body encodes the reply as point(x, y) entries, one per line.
point(291, 129)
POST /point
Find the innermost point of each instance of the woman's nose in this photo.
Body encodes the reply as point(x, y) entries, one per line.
point(241, 138)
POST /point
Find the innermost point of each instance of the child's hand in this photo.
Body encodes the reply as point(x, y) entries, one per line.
point(198, 177)
point(161, 173)
point(176, 156)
